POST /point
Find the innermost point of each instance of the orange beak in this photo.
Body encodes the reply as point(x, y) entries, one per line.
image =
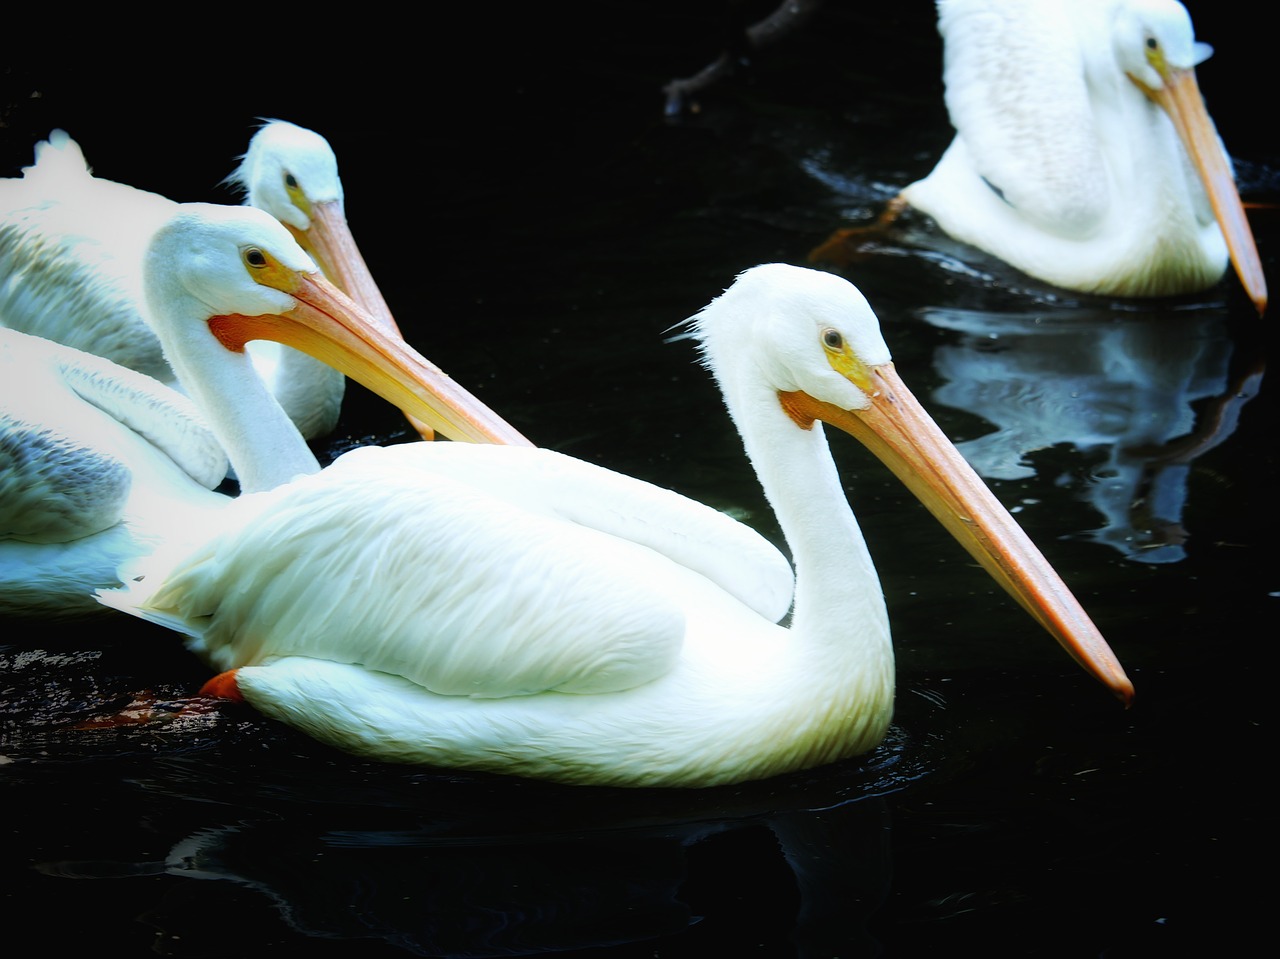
point(897, 429)
point(1180, 98)
point(333, 328)
point(329, 242)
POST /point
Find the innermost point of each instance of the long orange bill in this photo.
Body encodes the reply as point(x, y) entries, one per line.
point(1180, 97)
point(330, 326)
point(897, 429)
point(329, 242)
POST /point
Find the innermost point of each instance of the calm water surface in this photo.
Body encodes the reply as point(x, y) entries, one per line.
point(537, 226)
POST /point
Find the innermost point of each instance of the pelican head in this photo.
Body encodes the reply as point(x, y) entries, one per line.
point(841, 339)
point(288, 171)
point(242, 274)
point(1154, 38)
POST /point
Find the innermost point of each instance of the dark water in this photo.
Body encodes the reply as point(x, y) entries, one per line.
point(536, 226)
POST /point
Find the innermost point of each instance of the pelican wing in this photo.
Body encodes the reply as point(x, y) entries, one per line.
point(60, 476)
point(54, 280)
point(71, 257)
point(458, 590)
point(691, 534)
point(167, 419)
point(1016, 94)
point(471, 570)
point(53, 487)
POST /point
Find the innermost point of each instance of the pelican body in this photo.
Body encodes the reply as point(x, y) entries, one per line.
point(1083, 153)
point(465, 606)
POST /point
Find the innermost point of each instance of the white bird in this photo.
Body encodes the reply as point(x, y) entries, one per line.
point(99, 463)
point(466, 606)
point(1083, 153)
point(72, 244)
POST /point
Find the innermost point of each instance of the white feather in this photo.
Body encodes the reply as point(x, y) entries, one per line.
point(72, 245)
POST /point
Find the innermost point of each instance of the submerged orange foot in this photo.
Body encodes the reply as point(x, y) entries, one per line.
point(845, 245)
point(146, 708)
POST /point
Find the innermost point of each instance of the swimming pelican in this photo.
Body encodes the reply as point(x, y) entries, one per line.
point(71, 249)
point(99, 463)
point(475, 613)
point(1083, 153)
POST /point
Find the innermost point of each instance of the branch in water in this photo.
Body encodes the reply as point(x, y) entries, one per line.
point(786, 19)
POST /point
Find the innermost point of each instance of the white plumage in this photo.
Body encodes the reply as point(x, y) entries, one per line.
point(1083, 153)
point(512, 610)
point(71, 250)
point(99, 463)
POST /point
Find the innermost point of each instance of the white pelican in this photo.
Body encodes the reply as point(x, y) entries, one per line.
point(99, 463)
point(463, 606)
point(71, 249)
point(1083, 153)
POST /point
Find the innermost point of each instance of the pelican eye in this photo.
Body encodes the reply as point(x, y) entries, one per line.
point(844, 361)
point(1155, 57)
point(297, 195)
point(255, 257)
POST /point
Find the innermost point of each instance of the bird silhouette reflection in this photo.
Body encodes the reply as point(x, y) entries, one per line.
point(1141, 394)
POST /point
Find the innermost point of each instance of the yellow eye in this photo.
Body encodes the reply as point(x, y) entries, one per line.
point(1155, 55)
point(297, 195)
point(844, 361)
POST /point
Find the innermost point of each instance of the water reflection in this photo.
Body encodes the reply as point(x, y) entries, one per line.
point(436, 898)
point(1140, 394)
point(444, 865)
point(287, 835)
